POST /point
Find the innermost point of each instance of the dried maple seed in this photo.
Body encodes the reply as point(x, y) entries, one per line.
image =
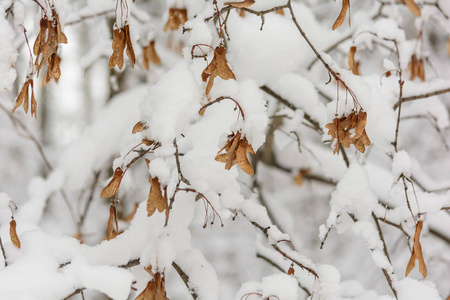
point(13, 234)
point(149, 55)
point(417, 253)
point(301, 175)
point(217, 67)
point(47, 41)
point(155, 289)
point(138, 127)
point(341, 18)
point(156, 200)
point(349, 130)
point(177, 18)
point(23, 98)
point(113, 186)
point(121, 41)
point(354, 66)
point(110, 231)
point(412, 6)
point(236, 153)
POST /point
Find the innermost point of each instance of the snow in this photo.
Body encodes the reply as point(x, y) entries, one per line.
point(401, 165)
point(232, 207)
point(8, 55)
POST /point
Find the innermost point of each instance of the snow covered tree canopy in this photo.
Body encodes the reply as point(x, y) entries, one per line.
point(204, 149)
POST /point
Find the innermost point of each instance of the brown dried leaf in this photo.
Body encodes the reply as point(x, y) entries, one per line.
point(155, 289)
point(110, 231)
point(149, 55)
point(223, 70)
point(13, 234)
point(421, 70)
point(280, 11)
point(341, 18)
point(291, 270)
point(217, 67)
point(417, 253)
point(241, 157)
point(138, 127)
point(129, 50)
point(33, 104)
point(351, 61)
point(156, 200)
point(147, 142)
point(113, 186)
point(202, 111)
point(448, 46)
point(301, 175)
point(361, 142)
point(61, 37)
point(412, 6)
point(361, 124)
point(245, 3)
point(23, 96)
point(118, 46)
point(173, 22)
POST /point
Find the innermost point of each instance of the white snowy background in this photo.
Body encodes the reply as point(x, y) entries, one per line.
point(230, 245)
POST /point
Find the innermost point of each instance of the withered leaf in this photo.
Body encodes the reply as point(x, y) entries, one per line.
point(341, 18)
point(217, 67)
point(113, 186)
point(46, 45)
point(349, 130)
point(129, 50)
point(421, 70)
point(291, 270)
point(118, 46)
point(448, 46)
point(155, 289)
point(147, 142)
point(138, 127)
point(241, 157)
point(156, 200)
point(280, 11)
point(245, 3)
point(417, 253)
point(361, 142)
point(110, 231)
point(13, 234)
point(177, 17)
point(301, 175)
point(236, 153)
point(351, 61)
point(412, 6)
point(23, 96)
point(149, 55)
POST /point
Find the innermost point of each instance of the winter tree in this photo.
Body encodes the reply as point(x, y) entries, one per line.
point(204, 149)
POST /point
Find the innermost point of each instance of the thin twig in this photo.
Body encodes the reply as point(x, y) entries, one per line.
point(3, 252)
point(185, 279)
